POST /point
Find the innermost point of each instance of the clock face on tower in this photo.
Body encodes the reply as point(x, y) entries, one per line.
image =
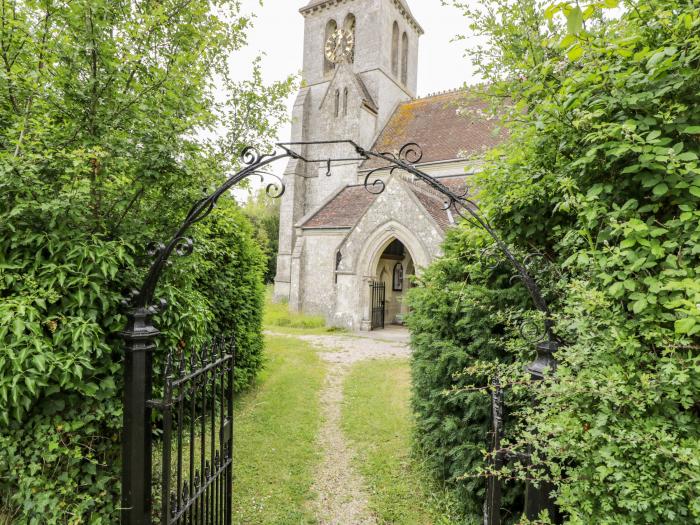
point(339, 46)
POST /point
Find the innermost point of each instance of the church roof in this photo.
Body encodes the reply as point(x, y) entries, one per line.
point(447, 126)
point(348, 206)
point(343, 210)
point(434, 202)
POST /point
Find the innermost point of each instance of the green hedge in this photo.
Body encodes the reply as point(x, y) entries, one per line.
point(600, 175)
point(100, 109)
point(454, 322)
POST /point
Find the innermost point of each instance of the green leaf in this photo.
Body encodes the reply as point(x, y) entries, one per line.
point(574, 21)
point(660, 189)
point(691, 130)
point(17, 327)
point(688, 156)
point(39, 362)
point(639, 306)
point(685, 325)
point(575, 52)
point(656, 58)
point(695, 190)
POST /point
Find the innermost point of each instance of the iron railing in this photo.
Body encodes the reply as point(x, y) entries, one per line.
point(197, 444)
point(378, 291)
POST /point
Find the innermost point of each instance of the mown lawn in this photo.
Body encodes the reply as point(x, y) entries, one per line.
point(276, 424)
point(377, 420)
point(279, 319)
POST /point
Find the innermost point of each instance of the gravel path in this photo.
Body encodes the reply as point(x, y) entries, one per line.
point(341, 497)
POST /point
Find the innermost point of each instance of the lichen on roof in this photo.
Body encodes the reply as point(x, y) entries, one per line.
point(447, 126)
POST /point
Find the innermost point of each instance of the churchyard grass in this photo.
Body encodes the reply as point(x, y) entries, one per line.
point(279, 319)
point(377, 421)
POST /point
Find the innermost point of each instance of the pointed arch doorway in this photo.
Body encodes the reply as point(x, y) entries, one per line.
point(390, 283)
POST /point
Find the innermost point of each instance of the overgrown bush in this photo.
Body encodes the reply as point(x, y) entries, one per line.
point(100, 106)
point(601, 177)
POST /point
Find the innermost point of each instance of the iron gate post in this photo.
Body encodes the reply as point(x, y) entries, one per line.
point(139, 342)
point(538, 498)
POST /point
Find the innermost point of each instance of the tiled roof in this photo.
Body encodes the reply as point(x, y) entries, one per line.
point(344, 210)
point(446, 126)
point(434, 202)
point(351, 203)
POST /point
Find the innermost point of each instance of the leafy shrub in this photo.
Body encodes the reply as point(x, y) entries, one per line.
point(454, 322)
point(99, 108)
point(601, 176)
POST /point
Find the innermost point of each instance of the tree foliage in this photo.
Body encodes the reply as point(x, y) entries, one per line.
point(601, 177)
point(102, 104)
point(264, 213)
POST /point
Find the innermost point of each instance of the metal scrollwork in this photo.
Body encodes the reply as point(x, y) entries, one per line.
point(274, 189)
point(532, 332)
point(488, 259)
point(251, 156)
point(378, 185)
point(153, 249)
point(184, 247)
point(181, 245)
point(411, 153)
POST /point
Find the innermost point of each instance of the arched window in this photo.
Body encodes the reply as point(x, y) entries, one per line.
point(345, 102)
point(349, 25)
point(331, 27)
point(404, 58)
point(337, 102)
point(338, 260)
point(397, 281)
point(395, 50)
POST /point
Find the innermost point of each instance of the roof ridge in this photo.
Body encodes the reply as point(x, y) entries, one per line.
point(440, 93)
point(420, 185)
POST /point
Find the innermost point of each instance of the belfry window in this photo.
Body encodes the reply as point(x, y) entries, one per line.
point(345, 102)
point(349, 26)
point(404, 58)
point(337, 102)
point(328, 66)
point(395, 50)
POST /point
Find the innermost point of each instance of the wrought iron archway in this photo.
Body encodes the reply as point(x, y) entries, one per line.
point(140, 333)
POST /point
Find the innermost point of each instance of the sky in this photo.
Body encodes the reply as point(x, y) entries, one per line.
point(278, 34)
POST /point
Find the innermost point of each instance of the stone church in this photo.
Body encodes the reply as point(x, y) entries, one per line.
point(337, 239)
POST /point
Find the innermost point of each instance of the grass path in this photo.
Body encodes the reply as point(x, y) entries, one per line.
point(324, 438)
point(275, 431)
point(377, 420)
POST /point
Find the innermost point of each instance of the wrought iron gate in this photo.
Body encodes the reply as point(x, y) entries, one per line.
point(378, 304)
point(201, 493)
point(197, 445)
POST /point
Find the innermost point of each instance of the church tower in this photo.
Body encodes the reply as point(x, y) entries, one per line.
point(360, 63)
